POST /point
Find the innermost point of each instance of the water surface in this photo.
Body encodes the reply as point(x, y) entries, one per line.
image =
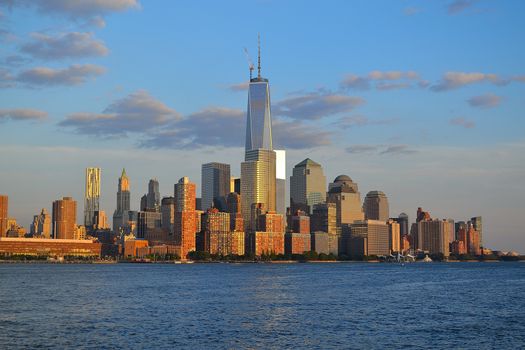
point(263, 306)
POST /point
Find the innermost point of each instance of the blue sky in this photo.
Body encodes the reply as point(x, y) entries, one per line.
point(421, 99)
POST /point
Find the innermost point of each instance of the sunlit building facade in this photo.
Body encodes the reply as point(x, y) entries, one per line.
point(307, 186)
point(64, 218)
point(92, 195)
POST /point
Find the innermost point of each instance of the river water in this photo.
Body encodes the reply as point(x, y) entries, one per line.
point(263, 306)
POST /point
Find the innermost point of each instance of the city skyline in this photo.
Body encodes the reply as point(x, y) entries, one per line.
point(473, 170)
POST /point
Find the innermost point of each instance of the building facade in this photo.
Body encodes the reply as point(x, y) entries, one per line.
point(4, 205)
point(376, 206)
point(120, 216)
point(307, 186)
point(344, 193)
point(92, 195)
point(215, 185)
point(41, 225)
point(64, 218)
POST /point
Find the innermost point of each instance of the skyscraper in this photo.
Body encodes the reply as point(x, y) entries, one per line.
point(215, 182)
point(403, 224)
point(153, 196)
point(258, 171)
point(307, 186)
point(257, 182)
point(344, 193)
point(120, 216)
point(376, 206)
point(64, 218)
point(92, 195)
point(41, 226)
point(259, 117)
point(4, 200)
point(478, 226)
point(185, 222)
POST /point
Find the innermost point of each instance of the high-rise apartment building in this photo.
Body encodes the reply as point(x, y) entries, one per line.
point(307, 186)
point(121, 215)
point(41, 225)
point(186, 217)
point(92, 195)
point(344, 193)
point(4, 201)
point(216, 184)
point(376, 206)
point(64, 218)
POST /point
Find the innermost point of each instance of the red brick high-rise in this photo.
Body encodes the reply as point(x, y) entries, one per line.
point(3, 215)
point(64, 218)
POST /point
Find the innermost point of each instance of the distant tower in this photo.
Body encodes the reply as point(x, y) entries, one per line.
point(153, 196)
point(3, 215)
point(403, 224)
point(376, 206)
point(64, 218)
point(186, 217)
point(120, 216)
point(345, 194)
point(92, 195)
point(215, 182)
point(307, 186)
point(41, 226)
point(258, 171)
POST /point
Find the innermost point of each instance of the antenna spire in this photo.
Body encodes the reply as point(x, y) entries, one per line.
point(259, 55)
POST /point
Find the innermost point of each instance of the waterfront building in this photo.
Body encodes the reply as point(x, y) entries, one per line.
point(121, 215)
point(92, 195)
point(433, 236)
point(367, 237)
point(307, 186)
point(478, 226)
point(394, 238)
point(187, 219)
point(268, 234)
point(4, 201)
point(216, 184)
point(324, 243)
point(80, 232)
point(41, 225)
point(50, 247)
point(473, 241)
point(297, 243)
point(376, 206)
point(344, 193)
point(131, 247)
point(64, 218)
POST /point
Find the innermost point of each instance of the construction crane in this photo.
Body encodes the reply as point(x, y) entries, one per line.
point(250, 63)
